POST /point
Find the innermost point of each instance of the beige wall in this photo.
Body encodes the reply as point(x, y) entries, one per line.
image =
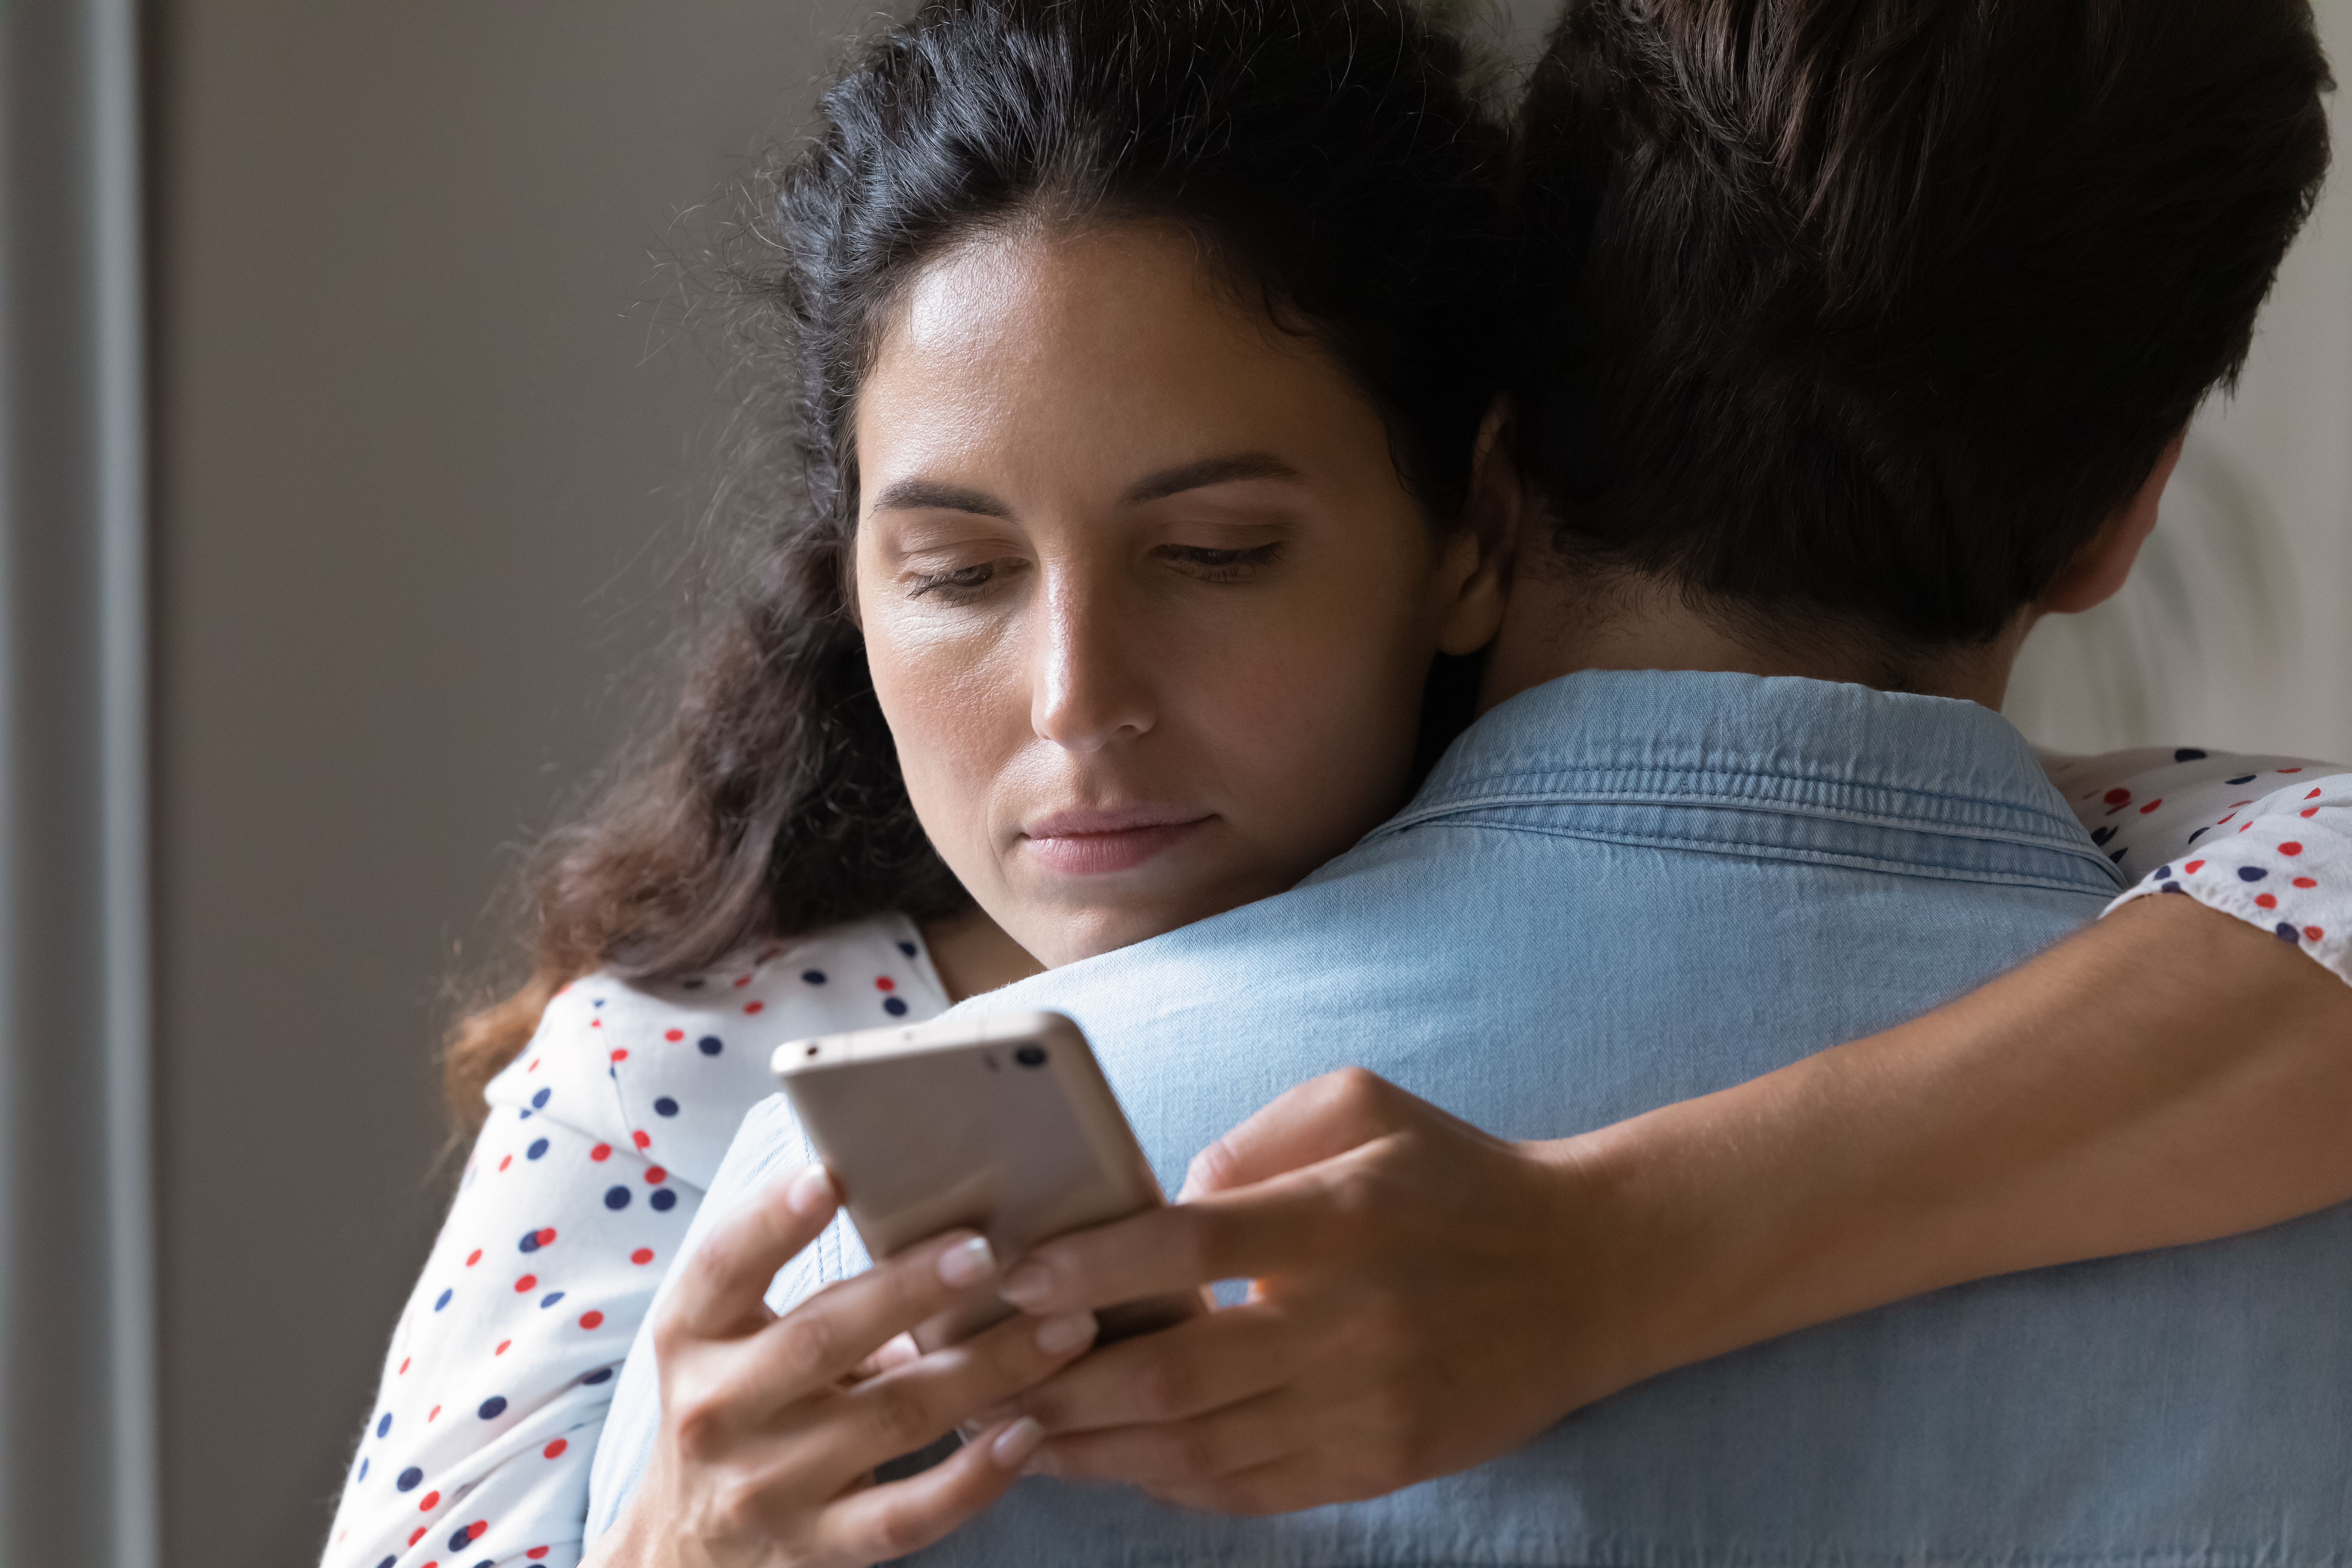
point(423, 456)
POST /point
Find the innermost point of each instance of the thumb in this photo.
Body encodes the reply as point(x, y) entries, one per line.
point(1320, 1119)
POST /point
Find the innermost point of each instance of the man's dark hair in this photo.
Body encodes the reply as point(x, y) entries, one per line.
point(1882, 308)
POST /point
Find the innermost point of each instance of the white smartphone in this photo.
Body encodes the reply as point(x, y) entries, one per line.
point(1004, 1125)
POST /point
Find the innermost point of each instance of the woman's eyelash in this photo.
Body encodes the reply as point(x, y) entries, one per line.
point(962, 580)
point(1223, 565)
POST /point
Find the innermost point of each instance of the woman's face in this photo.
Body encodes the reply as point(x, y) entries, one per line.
point(1147, 607)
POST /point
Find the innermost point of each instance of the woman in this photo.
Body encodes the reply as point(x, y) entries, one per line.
point(1118, 186)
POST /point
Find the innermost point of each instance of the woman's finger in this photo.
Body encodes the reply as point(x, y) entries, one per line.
point(1256, 1432)
point(1203, 1364)
point(1272, 1225)
point(1317, 1119)
point(912, 1406)
point(826, 1337)
point(722, 1289)
point(876, 1524)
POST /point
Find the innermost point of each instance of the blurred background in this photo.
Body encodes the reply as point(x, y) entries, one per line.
point(384, 296)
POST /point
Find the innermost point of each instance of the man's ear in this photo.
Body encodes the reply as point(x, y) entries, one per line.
point(2099, 568)
point(1478, 553)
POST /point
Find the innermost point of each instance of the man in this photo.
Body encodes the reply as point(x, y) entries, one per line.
point(1876, 327)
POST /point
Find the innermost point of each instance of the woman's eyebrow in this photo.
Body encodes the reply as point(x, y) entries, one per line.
point(928, 495)
point(1209, 471)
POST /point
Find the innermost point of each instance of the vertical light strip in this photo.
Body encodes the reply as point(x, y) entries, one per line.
point(120, 330)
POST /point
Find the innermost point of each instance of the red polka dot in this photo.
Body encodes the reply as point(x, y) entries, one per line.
point(526, 1282)
point(2151, 806)
point(621, 1055)
point(642, 1255)
point(403, 1368)
point(2266, 902)
point(418, 1536)
point(2290, 770)
point(741, 981)
point(674, 1035)
point(595, 1023)
point(505, 1163)
point(2194, 867)
point(2117, 797)
point(656, 1175)
point(547, 1235)
point(2305, 882)
point(2313, 932)
point(474, 1531)
point(473, 1257)
point(502, 1347)
point(592, 1319)
point(2313, 795)
point(2313, 812)
point(641, 1139)
point(536, 1553)
point(884, 983)
point(534, 1066)
point(555, 1450)
point(2290, 849)
point(601, 1151)
point(432, 1500)
point(755, 1007)
point(431, 1413)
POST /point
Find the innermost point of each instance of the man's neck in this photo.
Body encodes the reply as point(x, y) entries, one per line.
point(1564, 617)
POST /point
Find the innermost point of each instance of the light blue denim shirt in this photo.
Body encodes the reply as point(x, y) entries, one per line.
point(1625, 889)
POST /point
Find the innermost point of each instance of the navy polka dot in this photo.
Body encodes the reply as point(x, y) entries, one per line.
point(2188, 755)
point(538, 1101)
point(408, 1478)
point(493, 1407)
point(363, 1470)
point(2250, 873)
point(388, 1563)
point(814, 977)
point(895, 1007)
point(693, 984)
point(663, 1200)
point(522, 1116)
point(710, 1045)
point(598, 1376)
point(384, 1427)
point(2248, 778)
point(2164, 870)
point(617, 1197)
point(2198, 834)
point(444, 1300)
point(550, 1300)
point(537, 1147)
point(2172, 888)
point(2288, 934)
point(461, 1539)
point(908, 948)
point(598, 1003)
point(530, 1241)
point(664, 1106)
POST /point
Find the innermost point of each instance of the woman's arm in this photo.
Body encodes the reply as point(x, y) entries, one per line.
point(1429, 1297)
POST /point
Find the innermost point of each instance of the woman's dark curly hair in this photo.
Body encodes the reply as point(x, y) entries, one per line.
point(1338, 164)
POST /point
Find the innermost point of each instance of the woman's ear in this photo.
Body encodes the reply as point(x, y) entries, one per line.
point(2099, 568)
point(1476, 568)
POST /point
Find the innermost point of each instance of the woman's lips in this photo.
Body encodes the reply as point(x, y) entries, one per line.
point(1096, 843)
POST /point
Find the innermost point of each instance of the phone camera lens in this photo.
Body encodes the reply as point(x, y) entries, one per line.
point(1030, 1056)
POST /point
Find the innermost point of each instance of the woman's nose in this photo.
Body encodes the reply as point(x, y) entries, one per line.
point(1091, 686)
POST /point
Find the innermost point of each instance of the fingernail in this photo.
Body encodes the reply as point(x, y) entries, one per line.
point(1002, 1410)
point(1042, 1463)
point(968, 1262)
point(810, 1191)
point(1016, 1443)
point(1026, 1285)
point(1066, 1332)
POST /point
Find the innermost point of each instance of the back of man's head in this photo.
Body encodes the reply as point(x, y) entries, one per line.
point(1883, 308)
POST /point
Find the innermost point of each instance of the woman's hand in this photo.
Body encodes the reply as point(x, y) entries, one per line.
point(1414, 1280)
point(772, 1427)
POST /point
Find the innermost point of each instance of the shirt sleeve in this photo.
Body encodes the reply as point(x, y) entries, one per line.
point(2266, 839)
point(493, 1395)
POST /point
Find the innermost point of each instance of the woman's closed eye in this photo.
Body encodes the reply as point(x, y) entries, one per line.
point(956, 585)
point(1213, 565)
